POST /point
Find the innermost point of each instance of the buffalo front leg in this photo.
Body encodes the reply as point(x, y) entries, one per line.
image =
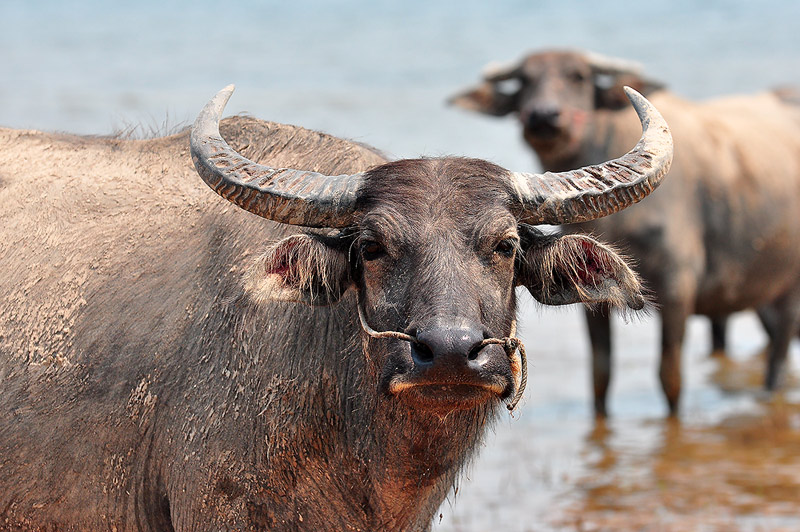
point(719, 329)
point(673, 327)
point(599, 322)
point(783, 325)
point(769, 315)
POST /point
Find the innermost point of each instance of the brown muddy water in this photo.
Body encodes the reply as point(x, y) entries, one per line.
point(731, 462)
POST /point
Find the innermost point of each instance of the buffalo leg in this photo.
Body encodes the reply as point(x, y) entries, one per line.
point(673, 327)
point(719, 328)
point(599, 323)
point(769, 317)
point(784, 322)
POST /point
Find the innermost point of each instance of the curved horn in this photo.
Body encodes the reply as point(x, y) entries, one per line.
point(497, 71)
point(296, 197)
point(612, 65)
point(599, 190)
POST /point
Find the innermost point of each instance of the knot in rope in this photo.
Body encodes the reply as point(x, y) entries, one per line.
point(512, 344)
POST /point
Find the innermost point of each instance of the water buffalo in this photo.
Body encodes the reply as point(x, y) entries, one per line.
point(723, 235)
point(158, 372)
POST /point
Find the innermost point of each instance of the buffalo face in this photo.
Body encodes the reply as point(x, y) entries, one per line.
point(437, 256)
point(437, 248)
point(434, 249)
point(554, 95)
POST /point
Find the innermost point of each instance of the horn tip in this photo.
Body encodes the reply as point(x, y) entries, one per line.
point(207, 122)
point(632, 94)
point(643, 107)
point(222, 97)
point(647, 113)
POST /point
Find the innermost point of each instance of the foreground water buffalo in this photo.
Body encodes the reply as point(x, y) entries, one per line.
point(722, 236)
point(158, 373)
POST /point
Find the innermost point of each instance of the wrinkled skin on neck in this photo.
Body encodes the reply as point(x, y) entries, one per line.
point(348, 455)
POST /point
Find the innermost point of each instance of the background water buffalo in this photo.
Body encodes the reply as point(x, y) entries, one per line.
point(158, 372)
point(723, 235)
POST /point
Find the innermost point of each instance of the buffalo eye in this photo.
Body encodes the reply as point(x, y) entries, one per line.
point(371, 250)
point(506, 247)
point(577, 77)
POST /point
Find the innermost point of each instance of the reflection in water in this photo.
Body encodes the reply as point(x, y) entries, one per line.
point(742, 473)
point(734, 376)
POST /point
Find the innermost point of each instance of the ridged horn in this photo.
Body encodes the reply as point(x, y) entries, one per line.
point(296, 197)
point(599, 190)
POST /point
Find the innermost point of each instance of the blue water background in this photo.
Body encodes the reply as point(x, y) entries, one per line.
point(376, 71)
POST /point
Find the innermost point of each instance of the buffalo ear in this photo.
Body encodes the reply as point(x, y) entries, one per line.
point(305, 268)
point(609, 89)
point(488, 98)
point(560, 270)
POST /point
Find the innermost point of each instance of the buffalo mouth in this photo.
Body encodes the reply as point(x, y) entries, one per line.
point(451, 390)
point(546, 134)
point(544, 131)
point(448, 395)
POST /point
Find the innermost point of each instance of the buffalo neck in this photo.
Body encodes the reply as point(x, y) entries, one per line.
point(422, 456)
point(372, 458)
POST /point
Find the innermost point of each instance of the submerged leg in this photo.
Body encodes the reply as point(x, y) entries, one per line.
point(784, 322)
point(673, 327)
point(599, 323)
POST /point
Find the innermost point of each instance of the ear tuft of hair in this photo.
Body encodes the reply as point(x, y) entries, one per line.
point(299, 268)
point(579, 269)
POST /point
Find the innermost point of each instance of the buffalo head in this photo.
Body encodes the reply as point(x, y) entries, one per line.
point(434, 249)
point(554, 94)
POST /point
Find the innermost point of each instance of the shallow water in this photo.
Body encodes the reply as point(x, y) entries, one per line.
point(728, 464)
point(379, 72)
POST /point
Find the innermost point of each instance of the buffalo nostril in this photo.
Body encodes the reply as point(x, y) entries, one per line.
point(543, 118)
point(475, 351)
point(421, 353)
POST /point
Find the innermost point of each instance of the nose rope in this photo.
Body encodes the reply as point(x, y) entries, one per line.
point(511, 345)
